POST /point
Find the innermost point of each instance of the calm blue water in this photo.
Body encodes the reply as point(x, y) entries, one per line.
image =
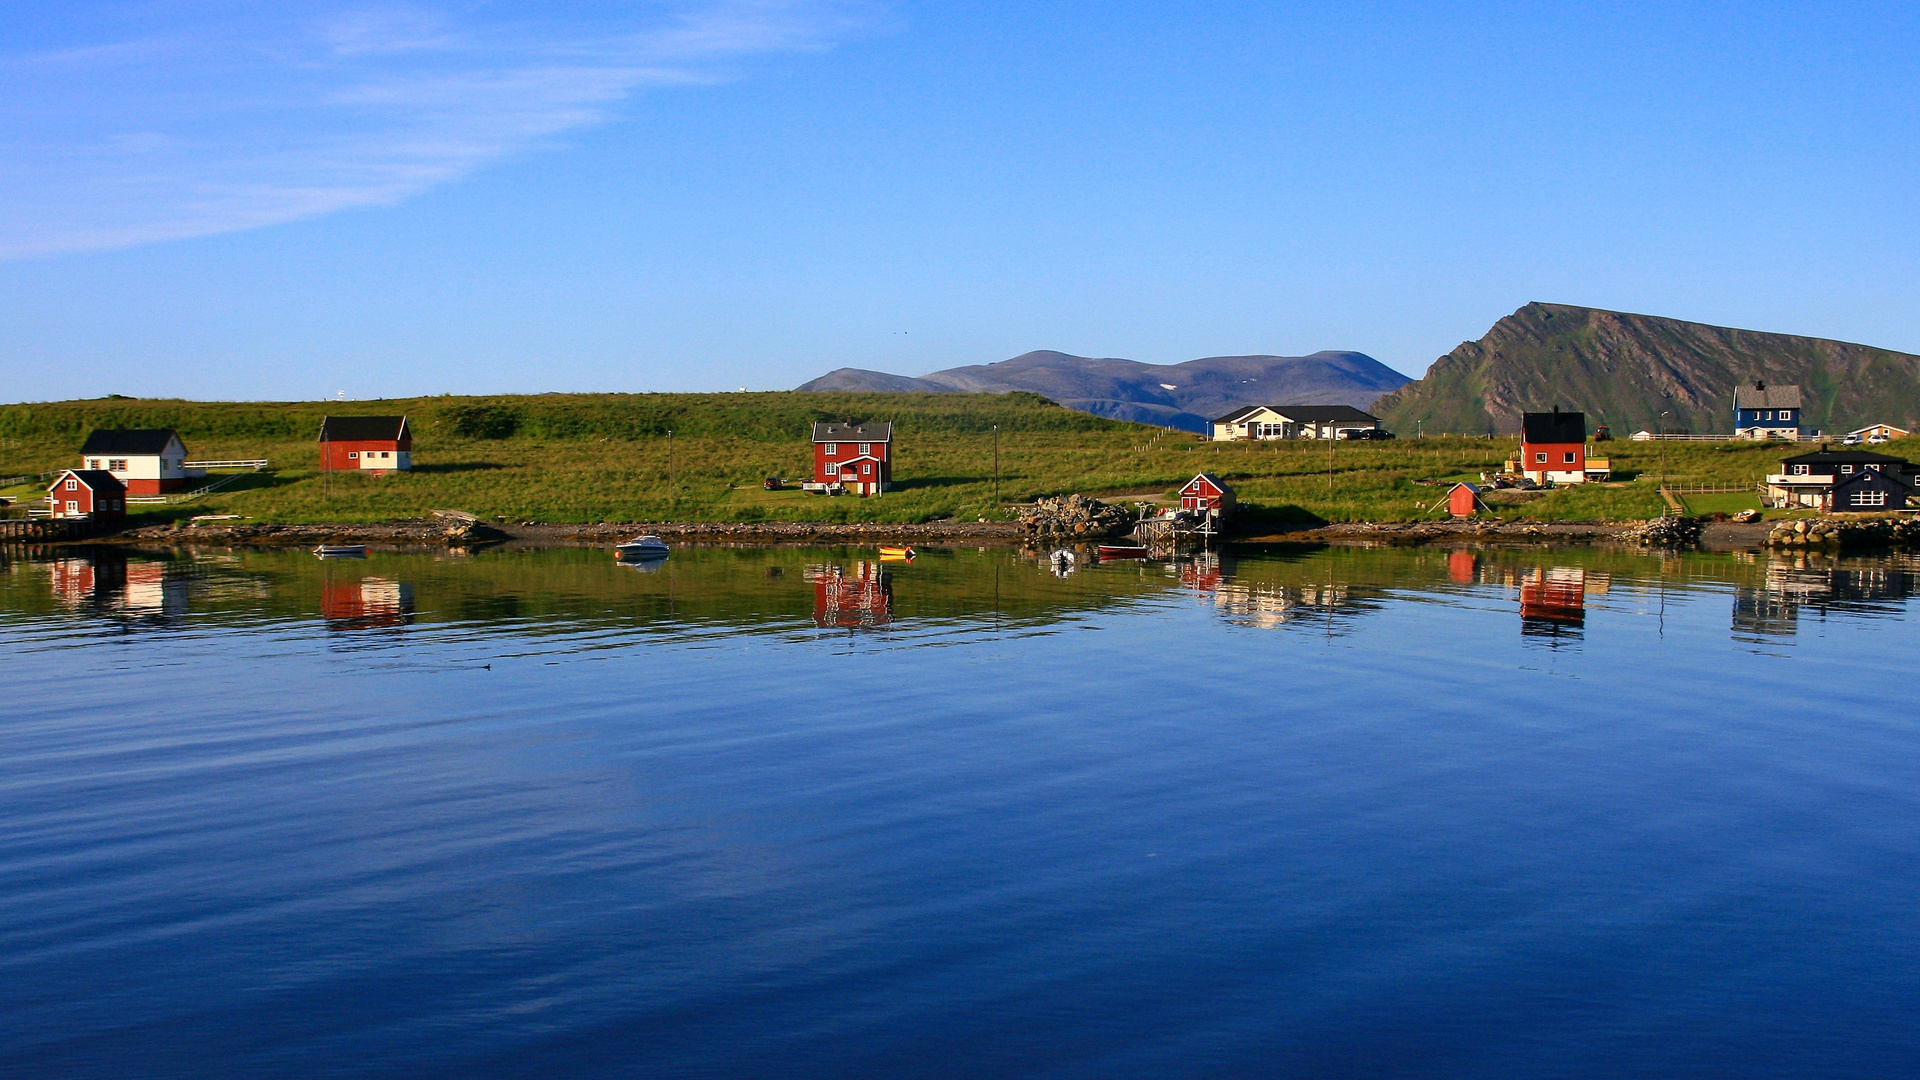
point(792, 813)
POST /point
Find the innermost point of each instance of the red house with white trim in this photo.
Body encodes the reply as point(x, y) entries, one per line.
point(1207, 493)
point(88, 493)
point(859, 456)
point(1553, 446)
point(375, 444)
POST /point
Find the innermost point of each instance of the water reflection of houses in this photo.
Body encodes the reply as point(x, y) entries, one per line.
point(108, 583)
point(1820, 585)
point(366, 604)
point(862, 598)
point(1330, 605)
point(1553, 602)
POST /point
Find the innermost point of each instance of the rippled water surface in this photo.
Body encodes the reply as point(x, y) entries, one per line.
point(788, 812)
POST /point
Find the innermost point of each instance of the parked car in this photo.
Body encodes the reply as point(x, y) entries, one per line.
point(1851, 440)
point(1365, 434)
point(1876, 440)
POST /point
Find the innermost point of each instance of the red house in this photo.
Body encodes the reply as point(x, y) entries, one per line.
point(88, 493)
point(1206, 493)
point(1553, 446)
point(375, 444)
point(859, 456)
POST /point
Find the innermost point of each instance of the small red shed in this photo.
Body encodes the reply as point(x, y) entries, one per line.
point(1463, 500)
point(88, 493)
point(1207, 493)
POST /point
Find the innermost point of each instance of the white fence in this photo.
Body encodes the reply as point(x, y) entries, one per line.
point(256, 464)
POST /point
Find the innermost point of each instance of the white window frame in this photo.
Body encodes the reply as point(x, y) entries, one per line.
point(1572, 458)
point(353, 455)
point(1539, 457)
point(1867, 498)
point(833, 468)
point(866, 448)
point(1802, 470)
point(832, 449)
point(866, 468)
point(72, 484)
point(73, 506)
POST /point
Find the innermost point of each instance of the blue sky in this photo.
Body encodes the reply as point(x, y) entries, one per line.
point(233, 200)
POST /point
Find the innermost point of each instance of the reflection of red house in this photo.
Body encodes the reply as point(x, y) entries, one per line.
point(366, 604)
point(1553, 601)
point(1202, 573)
point(80, 581)
point(375, 444)
point(862, 600)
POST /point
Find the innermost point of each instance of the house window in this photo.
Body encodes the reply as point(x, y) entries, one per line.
point(832, 449)
point(1875, 468)
point(1868, 498)
point(72, 507)
point(866, 467)
point(385, 454)
point(833, 468)
point(1800, 470)
point(72, 484)
point(866, 448)
point(353, 454)
point(1846, 470)
point(117, 464)
point(1786, 414)
point(1540, 458)
point(93, 463)
point(1569, 459)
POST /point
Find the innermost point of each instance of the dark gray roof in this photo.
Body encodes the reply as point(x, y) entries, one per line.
point(1553, 427)
point(877, 431)
point(1762, 396)
point(1219, 484)
point(1239, 414)
point(1324, 414)
point(1843, 457)
point(128, 441)
point(362, 428)
point(100, 480)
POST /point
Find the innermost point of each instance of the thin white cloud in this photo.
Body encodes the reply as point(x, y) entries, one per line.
point(177, 131)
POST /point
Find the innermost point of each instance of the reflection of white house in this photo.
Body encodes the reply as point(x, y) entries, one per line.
point(1262, 422)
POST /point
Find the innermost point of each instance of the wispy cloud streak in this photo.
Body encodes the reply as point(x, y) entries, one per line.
point(239, 120)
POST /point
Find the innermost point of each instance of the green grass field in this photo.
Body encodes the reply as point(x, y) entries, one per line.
point(587, 458)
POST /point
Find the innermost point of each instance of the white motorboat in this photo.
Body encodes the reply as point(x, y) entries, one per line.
point(641, 548)
point(341, 551)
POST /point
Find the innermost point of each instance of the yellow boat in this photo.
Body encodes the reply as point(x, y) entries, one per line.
point(892, 552)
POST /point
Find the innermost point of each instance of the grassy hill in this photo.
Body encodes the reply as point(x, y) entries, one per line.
point(1623, 370)
point(603, 457)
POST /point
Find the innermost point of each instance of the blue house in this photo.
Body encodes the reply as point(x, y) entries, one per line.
point(1767, 412)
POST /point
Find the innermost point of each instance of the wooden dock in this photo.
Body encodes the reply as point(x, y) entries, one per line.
point(42, 530)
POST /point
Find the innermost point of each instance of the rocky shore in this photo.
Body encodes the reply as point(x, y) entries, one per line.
point(467, 532)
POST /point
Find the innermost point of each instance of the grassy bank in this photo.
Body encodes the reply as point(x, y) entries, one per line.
point(603, 457)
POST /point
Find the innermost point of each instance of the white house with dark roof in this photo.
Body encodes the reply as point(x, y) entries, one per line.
point(149, 461)
point(1264, 422)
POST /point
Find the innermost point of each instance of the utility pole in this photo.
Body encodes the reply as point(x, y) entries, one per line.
point(1660, 436)
point(1332, 437)
point(996, 466)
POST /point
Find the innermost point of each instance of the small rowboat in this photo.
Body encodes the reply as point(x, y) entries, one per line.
point(1123, 551)
point(642, 548)
point(341, 551)
point(896, 552)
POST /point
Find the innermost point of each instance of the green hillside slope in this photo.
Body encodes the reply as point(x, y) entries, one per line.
point(1623, 370)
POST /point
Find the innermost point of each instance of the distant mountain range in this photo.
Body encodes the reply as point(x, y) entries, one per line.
point(1624, 370)
point(1173, 395)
